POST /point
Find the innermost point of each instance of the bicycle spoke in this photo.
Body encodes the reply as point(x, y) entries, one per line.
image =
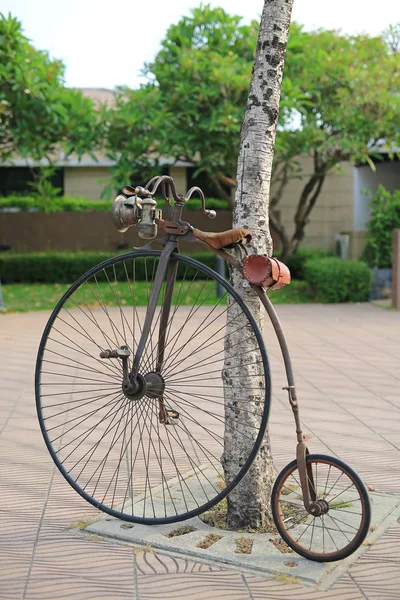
point(139, 456)
point(338, 534)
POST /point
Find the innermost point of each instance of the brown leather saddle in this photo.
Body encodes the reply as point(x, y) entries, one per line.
point(224, 239)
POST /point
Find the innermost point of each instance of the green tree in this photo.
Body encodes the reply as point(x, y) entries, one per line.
point(38, 114)
point(193, 105)
point(340, 101)
point(348, 109)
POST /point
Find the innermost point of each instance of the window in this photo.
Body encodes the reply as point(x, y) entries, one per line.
point(15, 180)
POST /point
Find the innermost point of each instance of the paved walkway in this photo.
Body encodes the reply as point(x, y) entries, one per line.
point(348, 372)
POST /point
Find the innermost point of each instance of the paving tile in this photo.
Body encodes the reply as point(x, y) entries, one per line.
point(346, 366)
point(260, 589)
point(152, 563)
point(194, 586)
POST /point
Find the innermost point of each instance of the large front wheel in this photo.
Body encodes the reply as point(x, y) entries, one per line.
point(345, 509)
point(153, 456)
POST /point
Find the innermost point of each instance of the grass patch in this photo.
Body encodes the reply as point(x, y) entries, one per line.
point(217, 517)
point(281, 545)
point(286, 579)
point(209, 540)
point(142, 549)
point(297, 292)
point(298, 514)
point(243, 546)
point(289, 489)
point(386, 304)
point(82, 524)
point(339, 504)
point(23, 297)
point(95, 538)
point(180, 531)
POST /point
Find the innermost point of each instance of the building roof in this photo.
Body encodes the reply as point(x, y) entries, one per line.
point(99, 95)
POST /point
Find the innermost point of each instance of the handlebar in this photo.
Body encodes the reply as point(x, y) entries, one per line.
point(137, 205)
point(164, 180)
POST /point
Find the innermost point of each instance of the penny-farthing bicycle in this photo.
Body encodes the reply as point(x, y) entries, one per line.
point(132, 377)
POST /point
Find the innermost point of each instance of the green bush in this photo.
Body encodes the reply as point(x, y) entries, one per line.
point(297, 261)
point(385, 217)
point(211, 203)
point(66, 267)
point(65, 203)
point(58, 204)
point(335, 280)
point(24, 203)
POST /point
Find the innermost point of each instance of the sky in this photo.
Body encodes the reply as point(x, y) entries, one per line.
point(105, 43)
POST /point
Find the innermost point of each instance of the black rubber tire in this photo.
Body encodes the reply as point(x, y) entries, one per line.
point(45, 426)
point(361, 530)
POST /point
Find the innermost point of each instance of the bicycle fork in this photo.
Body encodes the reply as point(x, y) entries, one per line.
point(312, 504)
point(135, 385)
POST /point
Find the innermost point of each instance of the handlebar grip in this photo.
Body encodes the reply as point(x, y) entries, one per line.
point(211, 214)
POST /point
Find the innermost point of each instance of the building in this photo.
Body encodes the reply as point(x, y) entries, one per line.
point(337, 222)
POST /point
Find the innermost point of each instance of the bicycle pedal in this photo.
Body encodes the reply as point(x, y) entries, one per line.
point(172, 414)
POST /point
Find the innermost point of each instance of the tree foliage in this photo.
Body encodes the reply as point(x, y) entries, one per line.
point(385, 218)
point(349, 111)
point(38, 114)
point(340, 101)
point(193, 105)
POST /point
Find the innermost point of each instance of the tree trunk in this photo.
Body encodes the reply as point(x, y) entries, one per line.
point(248, 503)
point(222, 192)
point(307, 200)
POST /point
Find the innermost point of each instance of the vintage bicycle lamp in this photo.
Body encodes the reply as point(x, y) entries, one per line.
point(129, 209)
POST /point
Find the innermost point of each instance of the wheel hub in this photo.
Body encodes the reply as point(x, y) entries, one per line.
point(136, 392)
point(151, 384)
point(155, 384)
point(320, 507)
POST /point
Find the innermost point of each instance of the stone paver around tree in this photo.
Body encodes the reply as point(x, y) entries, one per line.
point(346, 360)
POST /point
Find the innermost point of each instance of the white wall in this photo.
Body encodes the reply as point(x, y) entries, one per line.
point(86, 182)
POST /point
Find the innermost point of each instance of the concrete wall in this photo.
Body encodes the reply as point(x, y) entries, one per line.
point(38, 232)
point(85, 182)
point(333, 212)
point(179, 176)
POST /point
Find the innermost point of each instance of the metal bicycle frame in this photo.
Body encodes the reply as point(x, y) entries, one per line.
point(166, 270)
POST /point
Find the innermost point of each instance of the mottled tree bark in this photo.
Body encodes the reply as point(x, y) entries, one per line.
point(248, 503)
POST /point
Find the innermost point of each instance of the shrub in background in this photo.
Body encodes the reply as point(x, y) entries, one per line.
point(56, 204)
point(335, 280)
point(66, 267)
point(385, 217)
point(297, 261)
point(68, 204)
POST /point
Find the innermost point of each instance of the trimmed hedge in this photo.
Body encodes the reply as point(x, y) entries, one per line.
point(67, 204)
point(335, 280)
point(59, 204)
point(66, 267)
point(300, 257)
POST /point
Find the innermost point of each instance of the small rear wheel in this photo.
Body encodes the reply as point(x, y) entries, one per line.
point(345, 518)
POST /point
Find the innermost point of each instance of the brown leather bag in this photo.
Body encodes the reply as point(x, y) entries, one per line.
point(265, 271)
